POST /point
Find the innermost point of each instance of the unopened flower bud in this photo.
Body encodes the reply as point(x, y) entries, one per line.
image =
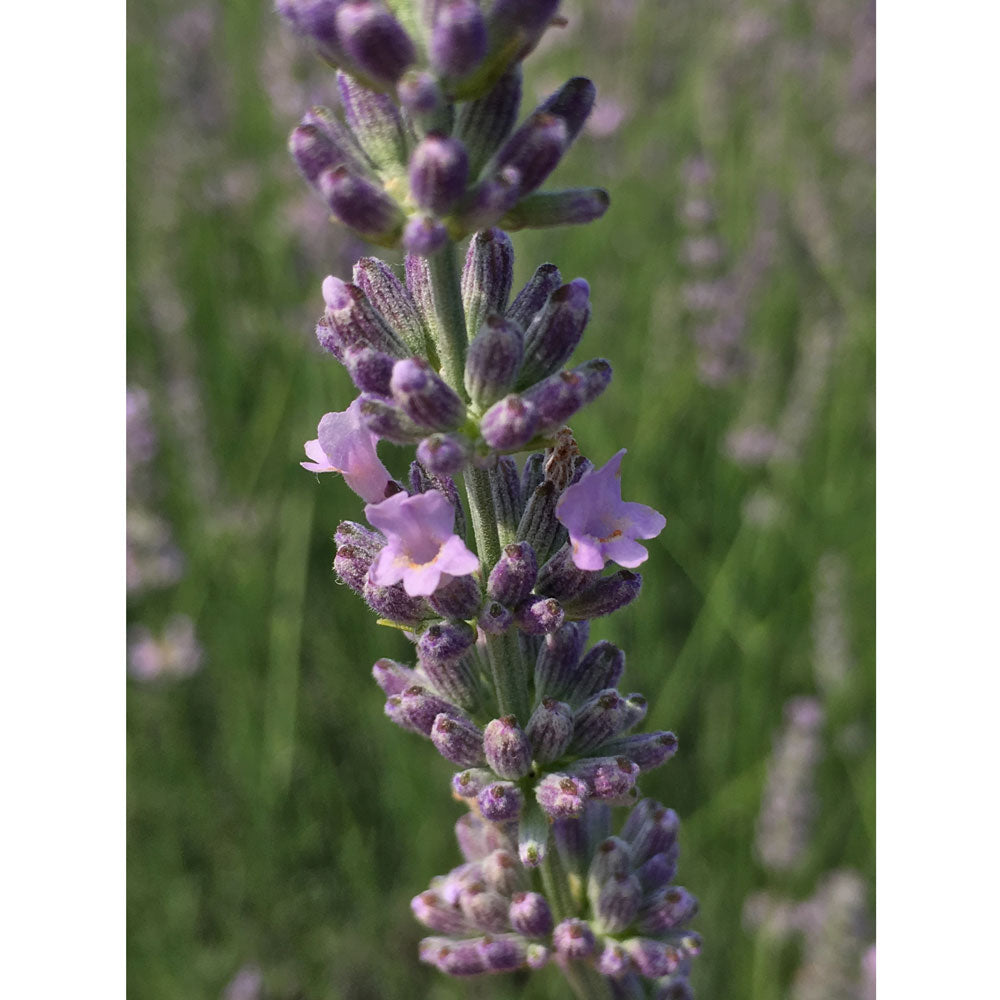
point(513, 577)
point(614, 961)
point(446, 642)
point(556, 663)
point(503, 952)
point(539, 525)
point(508, 501)
point(612, 857)
point(393, 301)
point(493, 360)
point(600, 669)
point(458, 37)
point(508, 750)
point(559, 396)
point(313, 151)
point(453, 957)
point(392, 677)
point(351, 321)
point(375, 121)
point(606, 595)
point(419, 93)
point(530, 914)
point(388, 421)
point(395, 604)
point(362, 206)
point(459, 598)
point(434, 912)
point(487, 276)
point(561, 795)
point(439, 169)
point(500, 802)
point(484, 909)
point(370, 370)
point(315, 19)
point(534, 150)
point(651, 829)
point(652, 958)
point(468, 784)
point(638, 706)
point(424, 236)
point(443, 454)
point(598, 720)
point(607, 778)
point(495, 619)
point(509, 424)
point(561, 578)
point(645, 750)
point(534, 295)
point(351, 566)
point(617, 903)
point(573, 103)
point(550, 730)
point(502, 873)
point(374, 41)
point(555, 331)
point(416, 709)
point(529, 15)
point(490, 200)
point(667, 909)
point(545, 209)
point(483, 124)
point(573, 938)
point(675, 989)
point(658, 871)
point(539, 616)
point(424, 396)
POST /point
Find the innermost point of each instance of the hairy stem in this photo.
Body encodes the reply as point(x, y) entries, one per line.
point(449, 333)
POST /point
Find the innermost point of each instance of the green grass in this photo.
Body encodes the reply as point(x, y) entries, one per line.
point(275, 815)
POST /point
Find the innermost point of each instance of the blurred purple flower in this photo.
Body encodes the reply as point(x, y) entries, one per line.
point(601, 525)
point(345, 445)
point(176, 653)
point(423, 550)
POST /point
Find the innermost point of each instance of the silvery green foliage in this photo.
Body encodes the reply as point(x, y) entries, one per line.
point(496, 588)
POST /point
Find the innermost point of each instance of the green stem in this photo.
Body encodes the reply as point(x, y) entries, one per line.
point(555, 879)
point(449, 316)
point(484, 517)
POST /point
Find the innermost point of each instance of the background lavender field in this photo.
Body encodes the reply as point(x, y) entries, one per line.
point(278, 824)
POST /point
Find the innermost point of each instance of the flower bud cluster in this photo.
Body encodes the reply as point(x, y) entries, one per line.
point(517, 392)
point(631, 919)
point(422, 157)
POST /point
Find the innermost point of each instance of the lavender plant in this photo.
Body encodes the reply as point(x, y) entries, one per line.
point(497, 588)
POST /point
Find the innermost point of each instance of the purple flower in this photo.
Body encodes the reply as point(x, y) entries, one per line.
point(345, 445)
point(423, 550)
point(601, 525)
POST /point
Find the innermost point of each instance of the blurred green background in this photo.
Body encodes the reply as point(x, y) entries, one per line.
point(278, 823)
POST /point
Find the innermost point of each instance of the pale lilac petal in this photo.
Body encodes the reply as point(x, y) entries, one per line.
point(423, 550)
point(319, 463)
point(626, 552)
point(644, 521)
point(389, 567)
point(455, 559)
point(438, 513)
point(422, 580)
point(587, 554)
point(601, 525)
point(345, 445)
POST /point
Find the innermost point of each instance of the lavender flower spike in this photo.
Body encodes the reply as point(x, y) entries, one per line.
point(601, 525)
point(423, 550)
point(345, 445)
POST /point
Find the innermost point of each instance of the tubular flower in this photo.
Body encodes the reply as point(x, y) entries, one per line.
point(345, 445)
point(422, 548)
point(601, 525)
